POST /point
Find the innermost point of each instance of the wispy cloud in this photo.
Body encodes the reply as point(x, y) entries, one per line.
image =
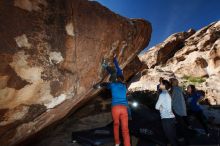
point(177, 15)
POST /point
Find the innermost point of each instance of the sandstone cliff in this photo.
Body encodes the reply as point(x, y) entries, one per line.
point(50, 56)
point(192, 57)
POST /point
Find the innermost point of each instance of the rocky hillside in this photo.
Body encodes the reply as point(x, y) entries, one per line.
point(193, 57)
point(50, 57)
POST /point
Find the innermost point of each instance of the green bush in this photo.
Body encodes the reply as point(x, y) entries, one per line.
point(194, 79)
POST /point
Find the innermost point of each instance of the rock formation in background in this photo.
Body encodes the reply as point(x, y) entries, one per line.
point(50, 57)
point(133, 68)
point(159, 54)
point(192, 57)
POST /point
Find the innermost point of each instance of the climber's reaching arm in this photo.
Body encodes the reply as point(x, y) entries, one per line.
point(118, 69)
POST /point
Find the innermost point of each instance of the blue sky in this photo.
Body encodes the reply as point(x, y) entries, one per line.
point(168, 16)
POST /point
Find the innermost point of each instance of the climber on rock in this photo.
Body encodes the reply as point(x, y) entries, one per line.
point(119, 108)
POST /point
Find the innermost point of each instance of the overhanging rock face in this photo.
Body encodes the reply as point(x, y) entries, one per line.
point(50, 56)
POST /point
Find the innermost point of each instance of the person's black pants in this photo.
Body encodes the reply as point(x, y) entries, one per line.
point(202, 119)
point(170, 130)
point(183, 126)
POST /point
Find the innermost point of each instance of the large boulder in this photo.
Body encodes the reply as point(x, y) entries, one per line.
point(50, 57)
